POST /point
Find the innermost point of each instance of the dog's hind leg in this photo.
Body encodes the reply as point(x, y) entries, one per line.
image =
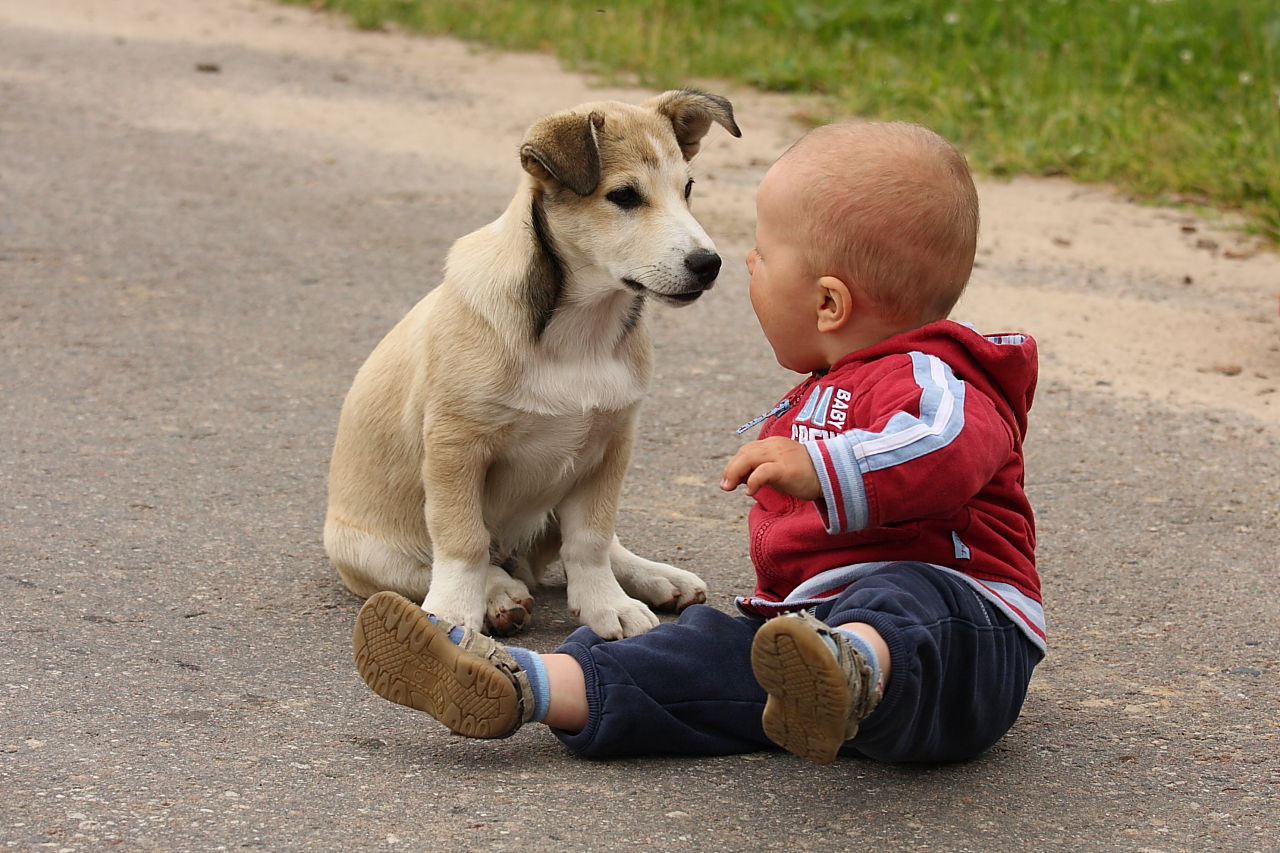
point(532, 562)
point(367, 564)
point(657, 584)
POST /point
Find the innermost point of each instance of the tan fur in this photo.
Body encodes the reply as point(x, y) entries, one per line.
point(492, 427)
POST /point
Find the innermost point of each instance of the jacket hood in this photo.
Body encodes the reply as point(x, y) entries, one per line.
point(1004, 365)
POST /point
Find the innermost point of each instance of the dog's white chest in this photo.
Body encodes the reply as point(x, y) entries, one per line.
point(556, 387)
point(546, 458)
point(587, 357)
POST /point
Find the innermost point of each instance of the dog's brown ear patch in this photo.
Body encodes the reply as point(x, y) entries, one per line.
point(561, 149)
point(691, 113)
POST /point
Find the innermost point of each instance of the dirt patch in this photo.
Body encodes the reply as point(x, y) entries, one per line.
point(1135, 301)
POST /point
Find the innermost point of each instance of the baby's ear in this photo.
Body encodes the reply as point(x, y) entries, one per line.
point(837, 304)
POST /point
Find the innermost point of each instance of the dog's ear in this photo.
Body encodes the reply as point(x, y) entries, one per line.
point(561, 150)
point(691, 113)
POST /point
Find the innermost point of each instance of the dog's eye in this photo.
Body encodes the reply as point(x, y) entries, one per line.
point(688, 189)
point(625, 197)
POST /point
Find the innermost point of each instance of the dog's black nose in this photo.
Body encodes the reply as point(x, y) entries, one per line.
point(704, 265)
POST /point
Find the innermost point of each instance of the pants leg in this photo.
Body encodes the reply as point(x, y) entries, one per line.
point(960, 666)
point(685, 687)
point(960, 674)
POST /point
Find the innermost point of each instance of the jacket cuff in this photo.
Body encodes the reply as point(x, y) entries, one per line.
point(844, 507)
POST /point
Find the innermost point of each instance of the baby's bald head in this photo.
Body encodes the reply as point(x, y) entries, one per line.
point(888, 207)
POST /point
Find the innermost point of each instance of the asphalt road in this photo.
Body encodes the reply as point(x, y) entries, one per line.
point(181, 312)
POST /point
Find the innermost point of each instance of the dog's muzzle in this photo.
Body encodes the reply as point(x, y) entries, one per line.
point(702, 265)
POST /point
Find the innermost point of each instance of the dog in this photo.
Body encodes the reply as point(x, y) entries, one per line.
point(490, 430)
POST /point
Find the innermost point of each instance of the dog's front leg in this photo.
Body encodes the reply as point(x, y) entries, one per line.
point(453, 472)
point(595, 595)
point(587, 516)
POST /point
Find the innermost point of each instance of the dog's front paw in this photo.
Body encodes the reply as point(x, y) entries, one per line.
point(662, 586)
point(508, 603)
point(457, 594)
point(615, 619)
point(463, 617)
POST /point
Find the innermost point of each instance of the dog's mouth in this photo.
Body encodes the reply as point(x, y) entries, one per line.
point(669, 298)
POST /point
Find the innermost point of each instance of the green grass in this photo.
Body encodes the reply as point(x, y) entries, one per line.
point(1172, 100)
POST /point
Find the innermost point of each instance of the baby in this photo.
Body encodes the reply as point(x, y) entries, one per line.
point(897, 611)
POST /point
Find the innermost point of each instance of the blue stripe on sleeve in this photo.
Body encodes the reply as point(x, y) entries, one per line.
point(829, 494)
point(906, 437)
point(845, 496)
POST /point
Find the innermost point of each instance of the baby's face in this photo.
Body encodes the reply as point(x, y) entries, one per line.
point(784, 292)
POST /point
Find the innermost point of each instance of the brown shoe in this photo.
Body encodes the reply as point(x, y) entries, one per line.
point(475, 687)
point(816, 698)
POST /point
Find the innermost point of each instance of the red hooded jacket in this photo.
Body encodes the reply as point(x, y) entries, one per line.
point(917, 441)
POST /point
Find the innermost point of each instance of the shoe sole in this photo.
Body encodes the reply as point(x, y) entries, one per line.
point(808, 705)
point(406, 659)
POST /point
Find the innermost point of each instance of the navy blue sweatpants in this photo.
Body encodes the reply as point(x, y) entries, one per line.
point(959, 676)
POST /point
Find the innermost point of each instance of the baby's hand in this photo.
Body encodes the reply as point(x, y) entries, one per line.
point(778, 462)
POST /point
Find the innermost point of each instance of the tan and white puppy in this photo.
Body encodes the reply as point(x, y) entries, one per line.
point(489, 431)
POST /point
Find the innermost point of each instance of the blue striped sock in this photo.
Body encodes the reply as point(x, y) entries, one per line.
point(531, 662)
point(868, 654)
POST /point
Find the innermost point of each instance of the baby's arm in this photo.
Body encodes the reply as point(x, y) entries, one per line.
point(922, 444)
point(924, 449)
point(778, 462)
